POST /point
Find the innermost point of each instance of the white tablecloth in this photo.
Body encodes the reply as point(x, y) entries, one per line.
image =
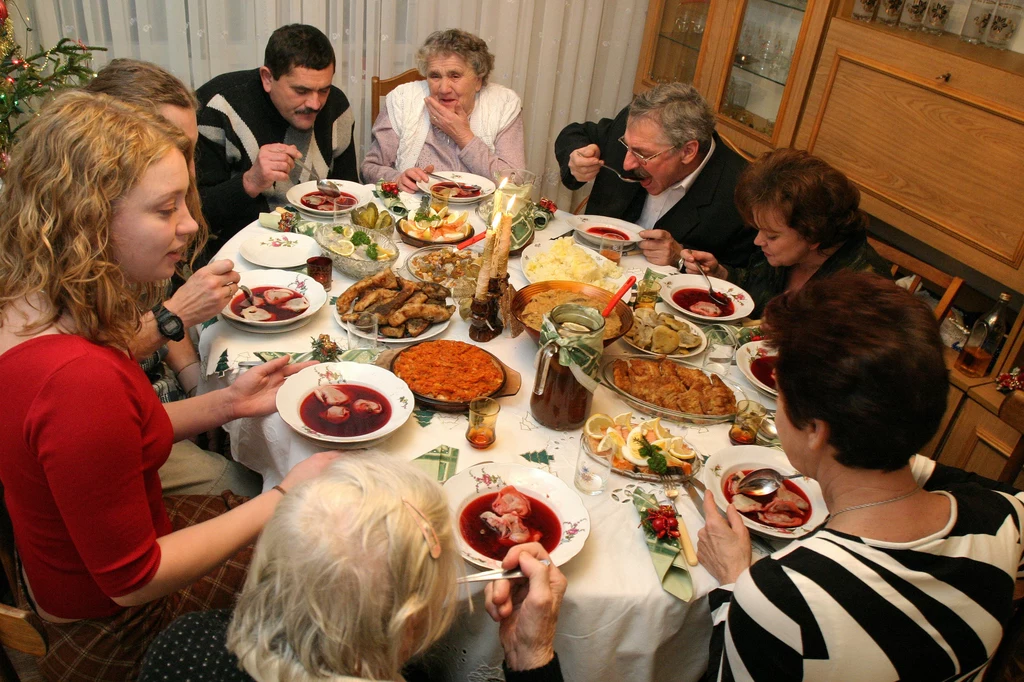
point(616, 622)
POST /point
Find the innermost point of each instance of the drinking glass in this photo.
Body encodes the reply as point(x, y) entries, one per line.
point(483, 422)
point(749, 415)
point(439, 198)
point(721, 349)
point(647, 291)
point(936, 16)
point(1005, 22)
point(512, 189)
point(864, 10)
point(978, 17)
point(913, 14)
point(363, 332)
point(889, 12)
point(592, 470)
point(612, 248)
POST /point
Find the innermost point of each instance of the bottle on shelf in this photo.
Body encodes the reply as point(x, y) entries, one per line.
point(983, 343)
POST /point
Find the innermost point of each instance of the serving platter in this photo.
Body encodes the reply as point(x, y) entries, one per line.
point(298, 386)
point(608, 380)
point(533, 251)
point(279, 249)
point(723, 463)
point(474, 482)
point(362, 194)
point(416, 241)
point(486, 186)
point(585, 225)
point(433, 330)
point(742, 302)
point(662, 309)
point(511, 382)
point(296, 281)
point(746, 355)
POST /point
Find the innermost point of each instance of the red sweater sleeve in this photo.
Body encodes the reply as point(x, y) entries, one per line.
point(90, 428)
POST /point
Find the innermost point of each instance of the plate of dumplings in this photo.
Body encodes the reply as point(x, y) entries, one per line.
point(662, 333)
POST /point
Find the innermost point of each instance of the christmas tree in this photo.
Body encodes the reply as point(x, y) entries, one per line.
point(26, 81)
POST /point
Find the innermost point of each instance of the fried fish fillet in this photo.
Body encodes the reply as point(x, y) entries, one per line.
point(422, 311)
point(385, 278)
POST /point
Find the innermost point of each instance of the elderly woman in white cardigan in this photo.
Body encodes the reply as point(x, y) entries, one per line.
point(455, 120)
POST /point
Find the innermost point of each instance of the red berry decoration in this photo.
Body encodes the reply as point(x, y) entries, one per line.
point(3, 11)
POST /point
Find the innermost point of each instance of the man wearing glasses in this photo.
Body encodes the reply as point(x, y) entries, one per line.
point(661, 165)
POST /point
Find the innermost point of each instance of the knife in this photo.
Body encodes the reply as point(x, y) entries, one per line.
point(691, 489)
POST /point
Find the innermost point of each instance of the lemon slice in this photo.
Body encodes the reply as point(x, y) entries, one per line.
point(635, 441)
point(344, 248)
point(624, 419)
point(612, 443)
point(675, 448)
point(655, 426)
point(597, 424)
point(348, 231)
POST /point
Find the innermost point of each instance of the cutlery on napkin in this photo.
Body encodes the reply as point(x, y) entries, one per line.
point(669, 562)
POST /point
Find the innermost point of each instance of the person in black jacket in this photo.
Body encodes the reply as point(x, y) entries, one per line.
point(254, 125)
point(680, 176)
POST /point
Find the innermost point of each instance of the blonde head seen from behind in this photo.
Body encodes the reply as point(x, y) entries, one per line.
point(342, 581)
point(72, 166)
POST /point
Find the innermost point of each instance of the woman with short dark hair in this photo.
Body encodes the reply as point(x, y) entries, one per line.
point(454, 120)
point(808, 221)
point(912, 575)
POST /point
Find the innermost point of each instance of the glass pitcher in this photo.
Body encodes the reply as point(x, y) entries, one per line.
point(572, 340)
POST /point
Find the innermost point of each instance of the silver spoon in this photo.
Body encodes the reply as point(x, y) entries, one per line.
point(624, 178)
point(762, 482)
point(719, 298)
point(328, 188)
point(767, 432)
point(460, 185)
point(248, 294)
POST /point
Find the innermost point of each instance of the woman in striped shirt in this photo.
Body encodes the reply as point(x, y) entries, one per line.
point(912, 575)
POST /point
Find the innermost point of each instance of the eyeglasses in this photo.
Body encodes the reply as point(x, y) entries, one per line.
point(640, 158)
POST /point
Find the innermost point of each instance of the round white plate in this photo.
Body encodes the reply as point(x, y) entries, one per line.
point(749, 352)
point(582, 223)
point(661, 308)
point(743, 304)
point(296, 281)
point(723, 463)
point(537, 248)
point(430, 332)
point(279, 249)
point(486, 186)
point(362, 193)
point(296, 387)
point(251, 329)
point(467, 485)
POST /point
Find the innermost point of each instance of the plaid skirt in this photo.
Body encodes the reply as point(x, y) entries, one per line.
point(112, 648)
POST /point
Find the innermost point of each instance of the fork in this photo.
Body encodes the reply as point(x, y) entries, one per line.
point(622, 177)
point(669, 483)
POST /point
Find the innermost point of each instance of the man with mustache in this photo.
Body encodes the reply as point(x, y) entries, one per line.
point(254, 125)
point(681, 176)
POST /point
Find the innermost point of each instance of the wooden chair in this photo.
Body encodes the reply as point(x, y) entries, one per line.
point(732, 145)
point(380, 88)
point(921, 272)
point(19, 630)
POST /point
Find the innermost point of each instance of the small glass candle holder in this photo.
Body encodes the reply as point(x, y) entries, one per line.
point(749, 415)
point(321, 269)
point(913, 14)
point(647, 291)
point(483, 422)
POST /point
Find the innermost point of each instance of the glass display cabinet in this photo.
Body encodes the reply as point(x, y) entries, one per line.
point(673, 41)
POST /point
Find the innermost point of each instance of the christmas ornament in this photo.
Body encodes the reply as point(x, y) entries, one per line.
point(3, 11)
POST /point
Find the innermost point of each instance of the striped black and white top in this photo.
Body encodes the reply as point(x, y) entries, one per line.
point(833, 606)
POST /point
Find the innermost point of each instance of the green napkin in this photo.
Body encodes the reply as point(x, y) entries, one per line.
point(669, 563)
point(440, 462)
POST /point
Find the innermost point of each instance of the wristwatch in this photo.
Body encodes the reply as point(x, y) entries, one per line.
point(169, 324)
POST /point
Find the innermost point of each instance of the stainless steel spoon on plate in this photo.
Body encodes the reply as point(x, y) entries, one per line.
point(248, 294)
point(460, 185)
point(761, 482)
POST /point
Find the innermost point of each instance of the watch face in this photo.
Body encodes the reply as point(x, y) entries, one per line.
point(169, 324)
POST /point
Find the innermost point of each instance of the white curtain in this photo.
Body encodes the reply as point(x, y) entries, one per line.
point(569, 60)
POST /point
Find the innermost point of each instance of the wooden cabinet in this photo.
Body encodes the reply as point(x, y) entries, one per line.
point(931, 131)
point(954, 400)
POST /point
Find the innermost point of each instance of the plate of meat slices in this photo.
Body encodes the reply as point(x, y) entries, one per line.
point(406, 310)
point(671, 390)
point(281, 301)
point(791, 512)
point(498, 506)
point(312, 202)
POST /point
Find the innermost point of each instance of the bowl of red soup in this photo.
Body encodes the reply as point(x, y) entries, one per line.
point(499, 506)
point(689, 295)
point(313, 203)
point(345, 403)
point(793, 511)
point(591, 229)
point(279, 299)
point(757, 363)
